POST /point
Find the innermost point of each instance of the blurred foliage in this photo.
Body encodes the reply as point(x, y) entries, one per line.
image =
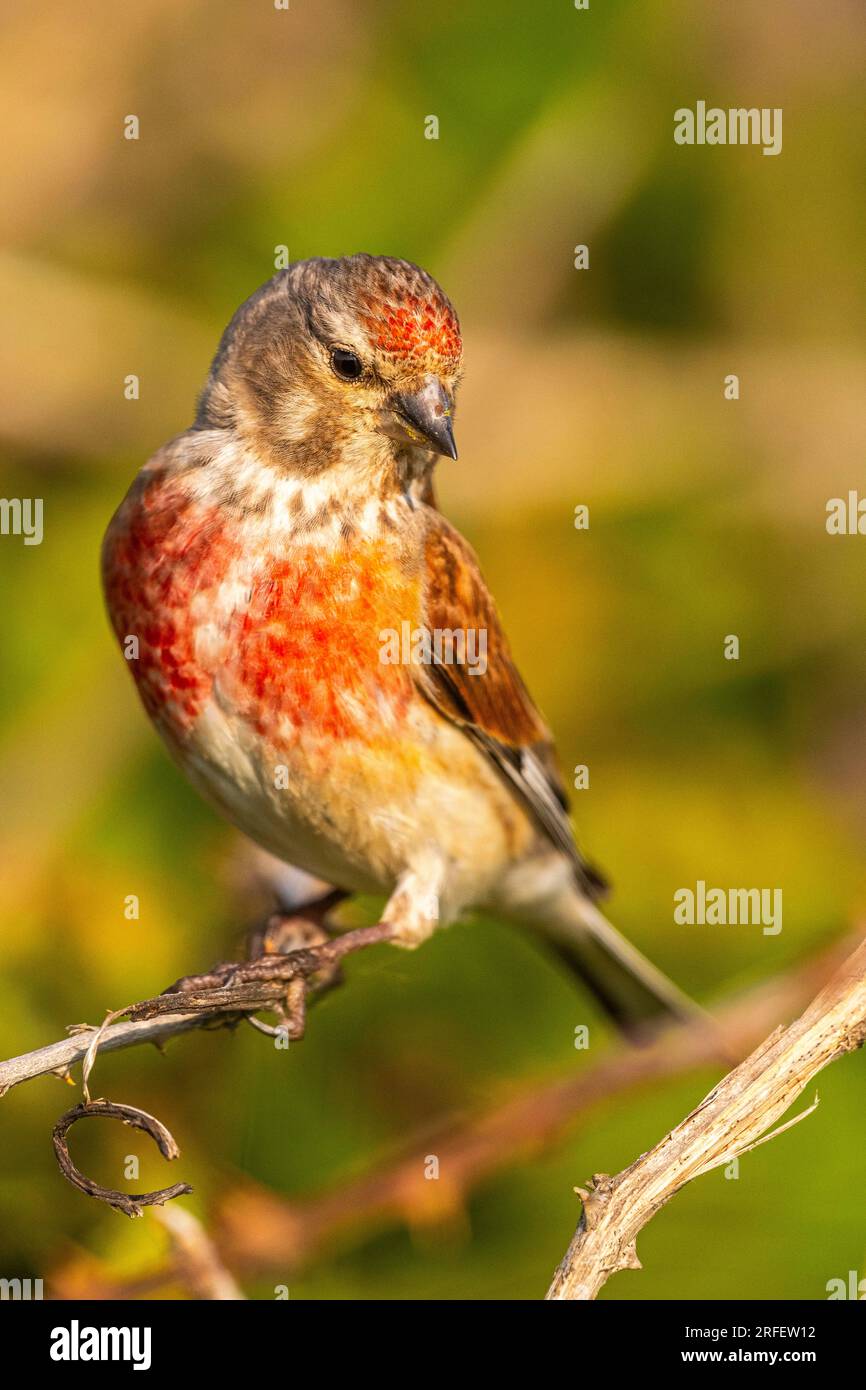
point(305, 128)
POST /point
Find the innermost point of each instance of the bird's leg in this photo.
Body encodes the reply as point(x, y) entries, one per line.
point(296, 947)
point(413, 909)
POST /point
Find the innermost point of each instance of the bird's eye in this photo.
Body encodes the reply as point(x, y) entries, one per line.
point(346, 364)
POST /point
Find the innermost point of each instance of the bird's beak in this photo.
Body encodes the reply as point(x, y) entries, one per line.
point(425, 416)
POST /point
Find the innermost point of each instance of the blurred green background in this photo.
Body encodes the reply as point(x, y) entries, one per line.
point(604, 386)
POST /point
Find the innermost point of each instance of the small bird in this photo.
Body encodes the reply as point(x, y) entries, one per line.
point(298, 616)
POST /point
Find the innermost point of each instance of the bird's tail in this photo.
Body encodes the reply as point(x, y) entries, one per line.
point(635, 994)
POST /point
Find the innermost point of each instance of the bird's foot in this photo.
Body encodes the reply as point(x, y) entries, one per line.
point(285, 933)
point(286, 950)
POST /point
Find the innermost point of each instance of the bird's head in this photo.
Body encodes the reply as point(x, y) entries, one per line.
point(350, 362)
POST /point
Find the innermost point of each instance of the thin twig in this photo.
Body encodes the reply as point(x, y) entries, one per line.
point(194, 1258)
point(729, 1121)
point(155, 1020)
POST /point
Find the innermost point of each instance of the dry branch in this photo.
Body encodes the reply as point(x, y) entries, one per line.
point(227, 993)
point(277, 980)
point(194, 1258)
point(257, 1231)
point(731, 1120)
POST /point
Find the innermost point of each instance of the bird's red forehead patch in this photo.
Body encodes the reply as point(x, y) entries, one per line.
point(414, 328)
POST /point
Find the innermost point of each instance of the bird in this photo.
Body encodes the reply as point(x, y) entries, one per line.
point(263, 575)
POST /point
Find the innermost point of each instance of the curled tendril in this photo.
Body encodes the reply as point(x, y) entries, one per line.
point(129, 1204)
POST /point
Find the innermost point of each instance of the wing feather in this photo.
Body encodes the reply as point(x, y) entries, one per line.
point(492, 705)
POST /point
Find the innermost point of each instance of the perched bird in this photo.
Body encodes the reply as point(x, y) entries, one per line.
point(256, 575)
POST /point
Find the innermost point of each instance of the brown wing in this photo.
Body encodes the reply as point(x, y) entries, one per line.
point(493, 705)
